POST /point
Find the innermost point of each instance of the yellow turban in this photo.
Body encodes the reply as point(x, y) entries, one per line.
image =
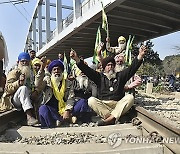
point(36, 61)
point(121, 38)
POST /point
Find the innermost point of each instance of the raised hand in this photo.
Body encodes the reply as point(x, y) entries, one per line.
point(99, 48)
point(43, 60)
point(22, 78)
point(74, 55)
point(142, 52)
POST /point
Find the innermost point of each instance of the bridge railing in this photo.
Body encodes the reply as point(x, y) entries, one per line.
point(88, 4)
point(42, 37)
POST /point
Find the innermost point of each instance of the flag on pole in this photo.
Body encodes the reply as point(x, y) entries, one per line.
point(104, 21)
point(128, 50)
point(65, 66)
point(98, 41)
point(104, 53)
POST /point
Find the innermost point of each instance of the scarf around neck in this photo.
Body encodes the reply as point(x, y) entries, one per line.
point(59, 94)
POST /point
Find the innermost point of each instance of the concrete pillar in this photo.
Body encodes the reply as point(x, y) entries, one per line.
point(40, 25)
point(76, 9)
point(48, 28)
point(149, 87)
point(34, 33)
point(59, 15)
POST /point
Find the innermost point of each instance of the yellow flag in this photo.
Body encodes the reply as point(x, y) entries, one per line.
point(98, 41)
point(104, 21)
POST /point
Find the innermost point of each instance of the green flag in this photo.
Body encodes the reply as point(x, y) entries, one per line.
point(98, 41)
point(104, 21)
point(65, 67)
point(128, 50)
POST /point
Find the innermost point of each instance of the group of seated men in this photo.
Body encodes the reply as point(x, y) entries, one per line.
point(40, 88)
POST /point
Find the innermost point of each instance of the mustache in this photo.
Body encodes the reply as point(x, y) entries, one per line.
point(25, 70)
point(111, 74)
point(122, 46)
point(57, 77)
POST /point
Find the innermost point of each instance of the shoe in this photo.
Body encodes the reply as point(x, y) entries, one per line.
point(103, 123)
point(32, 121)
point(74, 119)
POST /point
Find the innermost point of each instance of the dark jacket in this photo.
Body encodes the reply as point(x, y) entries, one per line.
point(110, 89)
point(75, 92)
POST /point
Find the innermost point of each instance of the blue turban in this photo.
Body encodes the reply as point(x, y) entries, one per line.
point(24, 55)
point(55, 63)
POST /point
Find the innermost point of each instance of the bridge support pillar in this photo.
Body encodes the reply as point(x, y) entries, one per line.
point(48, 28)
point(59, 15)
point(34, 33)
point(77, 8)
point(40, 25)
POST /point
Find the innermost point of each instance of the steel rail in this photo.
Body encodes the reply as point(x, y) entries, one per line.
point(151, 122)
point(10, 117)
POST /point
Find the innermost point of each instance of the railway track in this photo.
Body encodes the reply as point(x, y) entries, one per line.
point(145, 134)
point(169, 136)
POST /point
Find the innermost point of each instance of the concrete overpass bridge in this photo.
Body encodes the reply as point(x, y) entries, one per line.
point(50, 33)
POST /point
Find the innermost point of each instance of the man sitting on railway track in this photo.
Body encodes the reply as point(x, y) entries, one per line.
point(81, 88)
point(52, 111)
point(111, 101)
point(20, 88)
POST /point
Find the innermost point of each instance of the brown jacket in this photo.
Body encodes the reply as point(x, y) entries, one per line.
point(12, 84)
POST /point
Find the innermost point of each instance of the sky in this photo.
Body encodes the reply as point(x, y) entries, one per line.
point(14, 24)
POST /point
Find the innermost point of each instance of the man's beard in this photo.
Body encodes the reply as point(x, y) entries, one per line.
point(25, 70)
point(111, 74)
point(119, 68)
point(57, 79)
point(121, 47)
point(83, 81)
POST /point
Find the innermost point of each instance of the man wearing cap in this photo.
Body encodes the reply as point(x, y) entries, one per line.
point(121, 45)
point(38, 66)
point(32, 54)
point(111, 101)
point(52, 111)
point(19, 87)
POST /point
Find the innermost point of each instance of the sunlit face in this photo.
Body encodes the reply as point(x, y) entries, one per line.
point(36, 67)
point(119, 60)
point(56, 71)
point(60, 56)
point(122, 46)
point(24, 66)
point(24, 62)
point(122, 42)
point(57, 75)
point(32, 55)
point(109, 67)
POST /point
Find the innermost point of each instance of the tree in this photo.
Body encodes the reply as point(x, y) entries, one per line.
point(152, 64)
point(171, 63)
point(151, 57)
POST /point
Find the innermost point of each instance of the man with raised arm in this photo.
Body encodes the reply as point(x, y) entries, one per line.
point(52, 111)
point(111, 101)
point(118, 49)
